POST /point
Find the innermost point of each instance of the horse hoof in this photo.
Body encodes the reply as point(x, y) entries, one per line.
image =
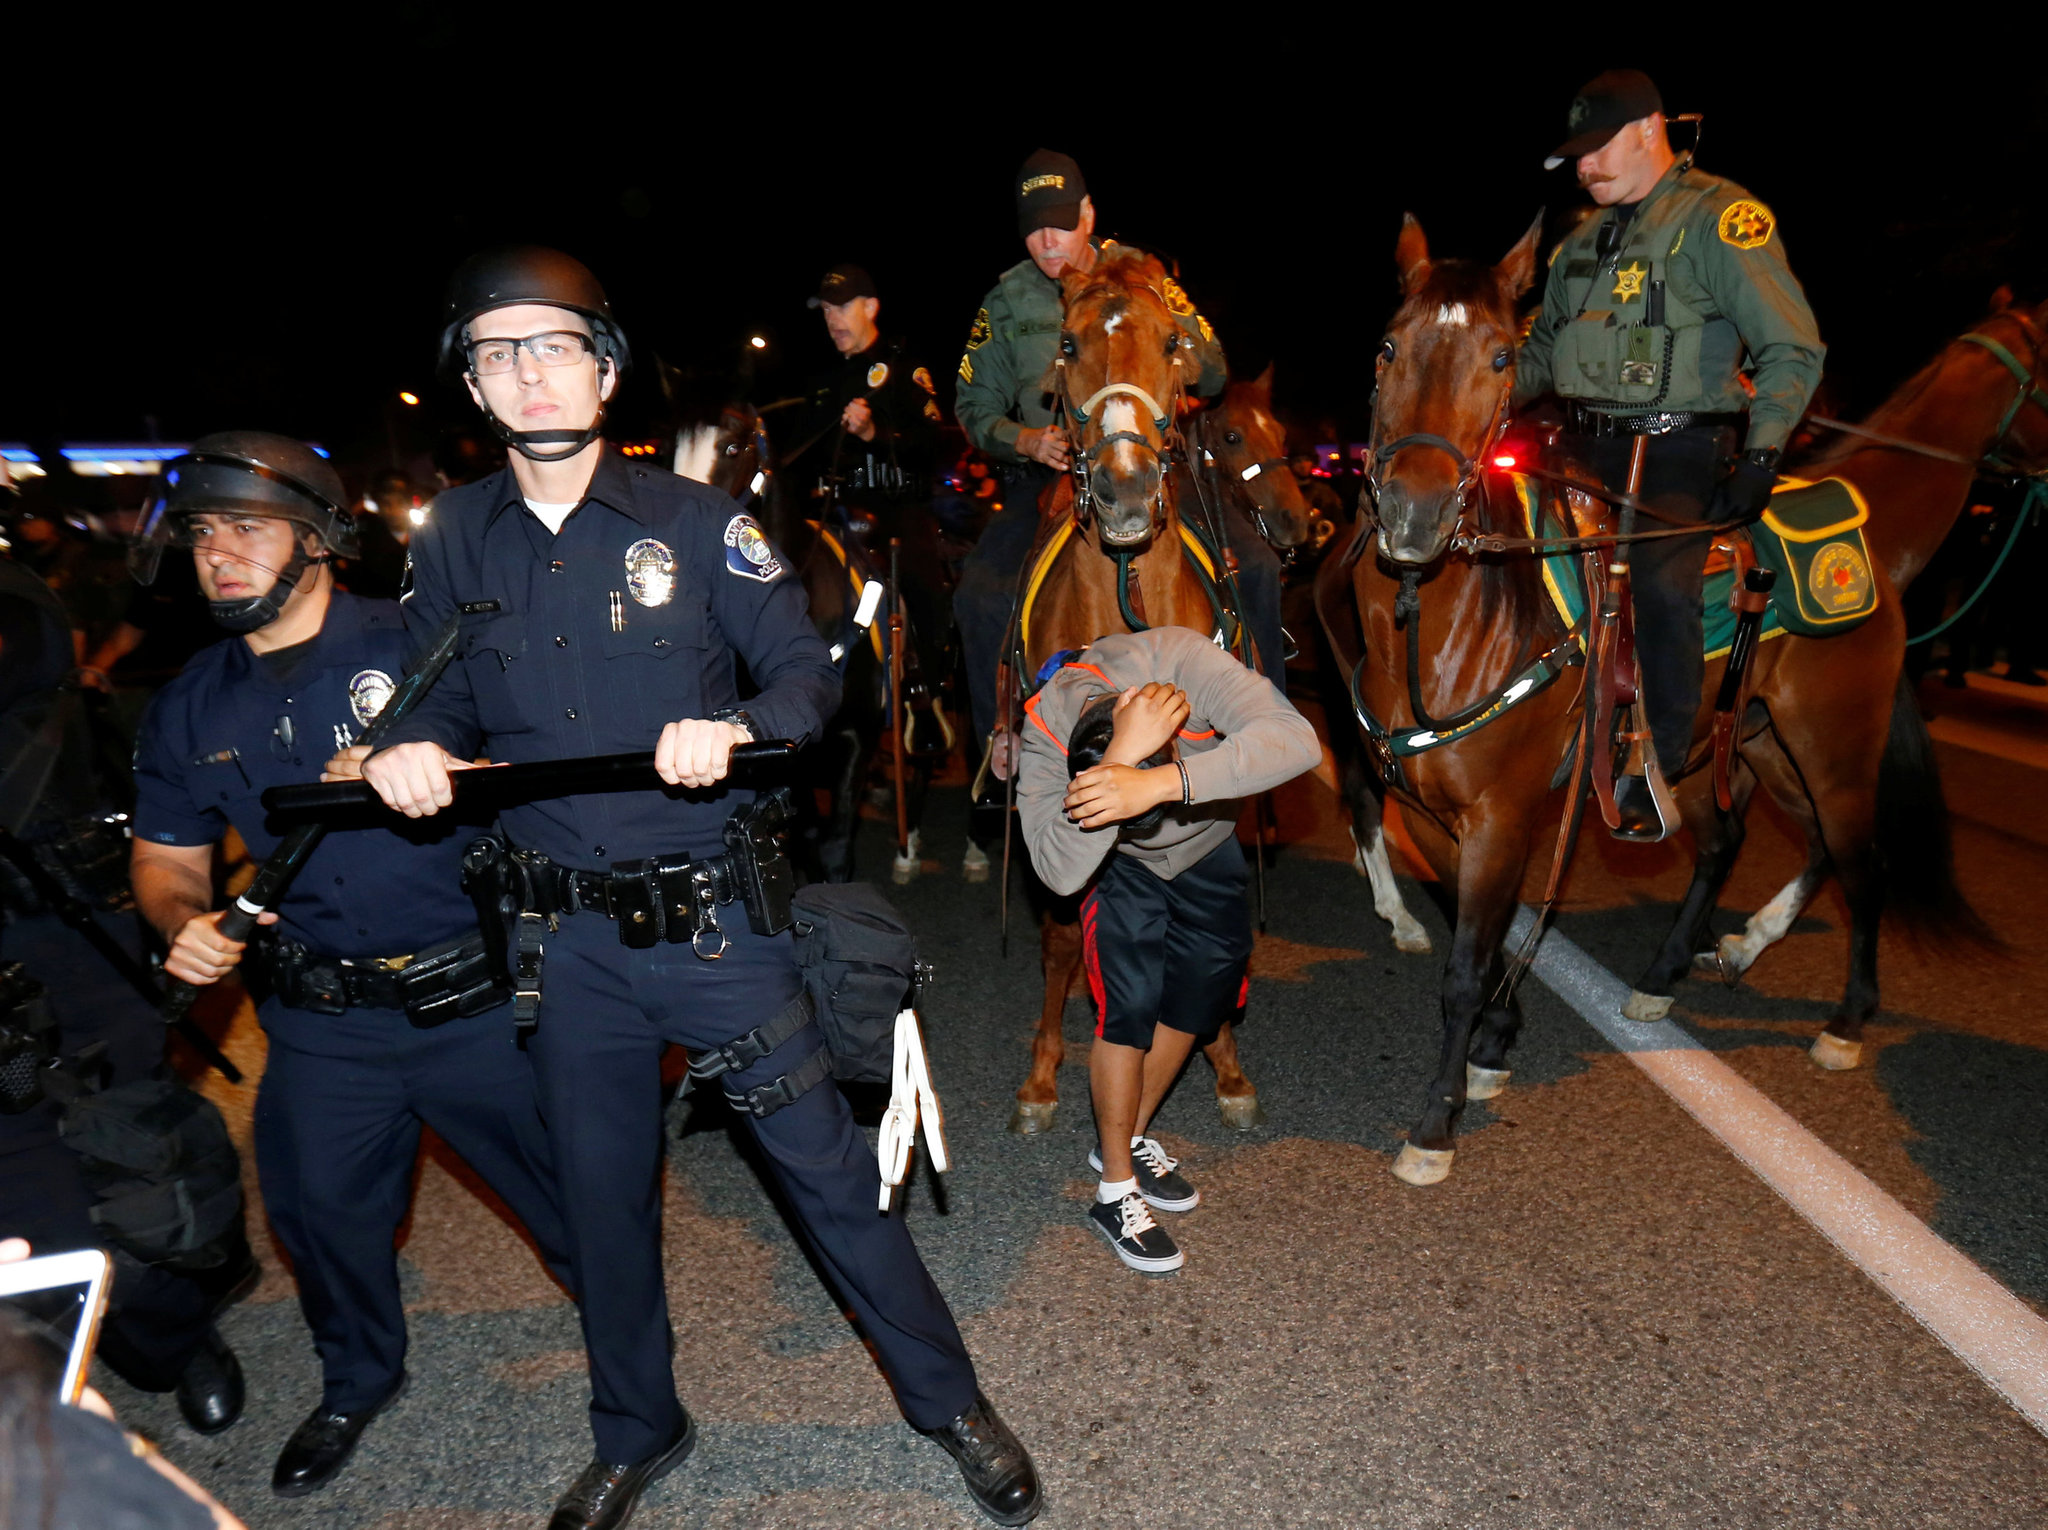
point(974, 864)
point(1834, 1054)
point(1033, 1116)
point(1728, 960)
point(1423, 1166)
point(1240, 1112)
point(1645, 1008)
point(1485, 1083)
point(904, 869)
point(1412, 938)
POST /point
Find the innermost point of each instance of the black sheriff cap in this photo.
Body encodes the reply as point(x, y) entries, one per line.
point(842, 284)
point(1605, 105)
point(1049, 193)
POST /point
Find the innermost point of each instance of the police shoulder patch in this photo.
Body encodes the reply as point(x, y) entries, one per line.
point(923, 378)
point(977, 337)
point(1177, 300)
point(1745, 224)
point(878, 374)
point(748, 552)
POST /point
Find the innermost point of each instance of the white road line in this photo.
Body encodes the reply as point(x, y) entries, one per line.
point(1984, 1325)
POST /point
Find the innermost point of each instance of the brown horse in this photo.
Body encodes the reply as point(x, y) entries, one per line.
point(1120, 560)
point(1237, 455)
point(1970, 412)
point(1829, 723)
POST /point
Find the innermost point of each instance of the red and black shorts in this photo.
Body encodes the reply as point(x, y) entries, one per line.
point(1167, 953)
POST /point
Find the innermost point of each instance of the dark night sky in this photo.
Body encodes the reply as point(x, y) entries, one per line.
point(227, 239)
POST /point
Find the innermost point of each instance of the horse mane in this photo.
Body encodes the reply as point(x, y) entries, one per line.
point(1904, 395)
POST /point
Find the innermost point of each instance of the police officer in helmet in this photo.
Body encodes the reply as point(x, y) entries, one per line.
point(376, 993)
point(607, 603)
point(1655, 311)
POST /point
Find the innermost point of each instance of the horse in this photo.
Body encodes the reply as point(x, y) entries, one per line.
point(1830, 730)
point(1111, 557)
point(1237, 455)
point(733, 452)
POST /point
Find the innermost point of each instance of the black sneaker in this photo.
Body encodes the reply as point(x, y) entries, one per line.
point(1158, 1181)
point(1139, 1241)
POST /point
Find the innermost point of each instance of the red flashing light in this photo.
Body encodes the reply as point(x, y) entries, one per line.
point(1504, 460)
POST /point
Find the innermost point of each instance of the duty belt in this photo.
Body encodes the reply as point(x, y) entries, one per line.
point(1598, 419)
point(452, 980)
point(667, 897)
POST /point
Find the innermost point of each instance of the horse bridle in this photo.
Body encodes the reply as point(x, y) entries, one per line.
point(1470, 468)
point(1081, 464)
point(2030, 391)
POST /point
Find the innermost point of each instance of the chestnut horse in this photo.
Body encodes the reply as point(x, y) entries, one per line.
point(1830, 731)
point(1237, 455)
point(1119, 377)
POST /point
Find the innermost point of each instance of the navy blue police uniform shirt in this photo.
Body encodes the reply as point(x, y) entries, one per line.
point(629, 618)
point(228, 728)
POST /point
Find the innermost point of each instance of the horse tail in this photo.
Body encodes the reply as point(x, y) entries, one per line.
point(1915, 854)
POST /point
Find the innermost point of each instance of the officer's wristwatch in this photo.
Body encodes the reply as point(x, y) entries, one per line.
point(737, 719)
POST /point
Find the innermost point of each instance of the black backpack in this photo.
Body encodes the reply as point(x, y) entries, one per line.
point(860, 967)
point(165, 1177)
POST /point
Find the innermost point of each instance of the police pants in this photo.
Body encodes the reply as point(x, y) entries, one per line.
point(337, 1131)
point(607, 1013)
point(1258, 583)
point(1680, 473)
point(156, 1318)
point(987, 595)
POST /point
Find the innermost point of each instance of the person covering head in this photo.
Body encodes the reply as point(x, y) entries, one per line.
point(1050, 191)
point(524, 277)
point(248, 475)
point(1605, 104)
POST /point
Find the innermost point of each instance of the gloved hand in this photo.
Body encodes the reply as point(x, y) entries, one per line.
point(1742, 495)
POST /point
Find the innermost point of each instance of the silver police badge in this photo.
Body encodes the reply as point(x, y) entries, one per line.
point(748, 550)
point(651, 572)
point(368, 690)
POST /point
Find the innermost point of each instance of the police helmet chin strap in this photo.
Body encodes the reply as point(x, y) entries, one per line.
point(259, 611)
point(526, 442)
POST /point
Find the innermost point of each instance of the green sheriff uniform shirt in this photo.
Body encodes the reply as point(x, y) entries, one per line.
point(1011, 347)
point(1728, 297)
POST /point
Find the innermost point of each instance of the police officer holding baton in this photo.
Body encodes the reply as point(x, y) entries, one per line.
point(607, 605)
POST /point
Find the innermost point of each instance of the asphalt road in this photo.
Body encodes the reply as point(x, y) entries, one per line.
point(1600, 1320)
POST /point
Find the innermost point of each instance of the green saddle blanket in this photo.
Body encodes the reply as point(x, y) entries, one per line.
point(1811, 536)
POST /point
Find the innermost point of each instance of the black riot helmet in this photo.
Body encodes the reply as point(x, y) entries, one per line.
point(531, 274)
point(248, 472)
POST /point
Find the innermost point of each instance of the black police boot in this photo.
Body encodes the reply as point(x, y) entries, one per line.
point(1637, 808)
point(994, 1462)
point(210, 1387)
point(321, 1446)
point(604, 1497)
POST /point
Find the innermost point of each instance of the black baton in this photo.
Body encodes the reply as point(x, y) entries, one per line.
point(274, 877)
point(532, 780)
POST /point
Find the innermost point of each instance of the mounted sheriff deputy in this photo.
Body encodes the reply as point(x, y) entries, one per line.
point(608, 605)
point(1654, 317)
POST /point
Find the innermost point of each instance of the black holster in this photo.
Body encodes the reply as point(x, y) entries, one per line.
point(754, 836)
point(496, 882)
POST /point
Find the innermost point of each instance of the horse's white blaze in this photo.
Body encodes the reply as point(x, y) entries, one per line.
point(1767, 925)
point(1371, 859)
point(1452, 313)
point(696, 451)
point(1119, 413)
point(1114, 322)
